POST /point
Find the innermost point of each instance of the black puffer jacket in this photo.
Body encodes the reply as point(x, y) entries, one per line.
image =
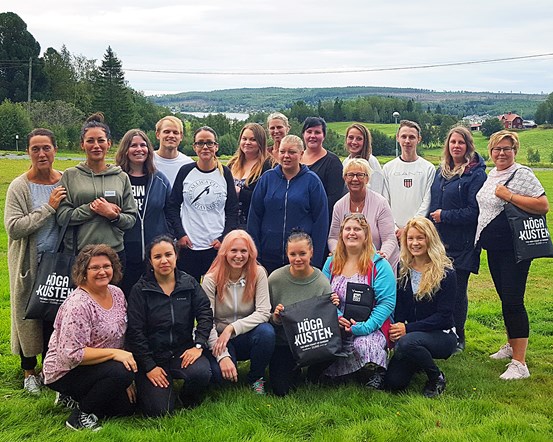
point(161, 327)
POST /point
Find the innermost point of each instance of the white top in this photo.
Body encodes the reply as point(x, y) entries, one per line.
point(408, 188)
point(171, 166)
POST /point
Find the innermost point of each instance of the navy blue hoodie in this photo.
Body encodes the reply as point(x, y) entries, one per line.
point(278, 205)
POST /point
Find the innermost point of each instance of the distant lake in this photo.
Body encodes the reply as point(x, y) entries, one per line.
point(231, 115)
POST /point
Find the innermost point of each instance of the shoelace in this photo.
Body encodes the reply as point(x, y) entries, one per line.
point(88, 420)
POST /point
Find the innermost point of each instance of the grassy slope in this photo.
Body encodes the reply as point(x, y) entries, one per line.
point(476, 406)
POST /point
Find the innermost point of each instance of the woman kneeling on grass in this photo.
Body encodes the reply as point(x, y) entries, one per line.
point(237, 288)
point(86, 363)
point(163, 307)
point(357, 266)
point(424, 309)
point(292, 283)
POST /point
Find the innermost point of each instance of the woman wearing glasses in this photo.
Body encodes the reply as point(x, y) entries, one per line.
point(375, 208)
point(30, 221)
point(86, 363)
point(494, 234)
point(203, 206)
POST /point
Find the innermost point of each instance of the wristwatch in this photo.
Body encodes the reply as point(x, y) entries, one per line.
point(199, 346)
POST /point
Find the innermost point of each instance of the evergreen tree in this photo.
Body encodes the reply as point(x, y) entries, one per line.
point(112, 96)
point(17, 46)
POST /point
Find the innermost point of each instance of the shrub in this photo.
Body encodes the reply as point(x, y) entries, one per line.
point(533, 155)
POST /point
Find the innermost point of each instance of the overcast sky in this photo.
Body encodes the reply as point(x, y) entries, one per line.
point(240, 36)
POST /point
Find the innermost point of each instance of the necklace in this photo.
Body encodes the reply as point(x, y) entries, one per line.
point(356, 207)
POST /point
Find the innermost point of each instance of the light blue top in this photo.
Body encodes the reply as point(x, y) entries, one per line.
point(384, 286)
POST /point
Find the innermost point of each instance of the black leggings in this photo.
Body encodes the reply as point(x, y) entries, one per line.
point(100, 389)
point(29, 362)
point(461, 303)
point(509, 279)
point(196, 262)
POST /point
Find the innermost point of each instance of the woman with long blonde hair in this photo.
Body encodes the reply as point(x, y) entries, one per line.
point(247, 165)
point(237, 288)
point(424, 327)
point(355, 265)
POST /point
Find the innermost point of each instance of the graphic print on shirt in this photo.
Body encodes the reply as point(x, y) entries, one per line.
point(206, 194)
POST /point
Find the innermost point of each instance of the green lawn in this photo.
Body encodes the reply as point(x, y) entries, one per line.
point(476, 405)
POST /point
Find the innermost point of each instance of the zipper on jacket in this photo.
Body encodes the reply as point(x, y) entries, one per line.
point(172, 320)
point(143, 216)
point(284, 226)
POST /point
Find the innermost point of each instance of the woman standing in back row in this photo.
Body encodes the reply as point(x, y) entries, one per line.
point(99, 195)
point(203, 206)
point(454, 210)
point(30, 221)
point(494, 234)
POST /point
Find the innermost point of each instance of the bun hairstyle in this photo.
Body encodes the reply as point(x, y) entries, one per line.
point(298, 234)
point(97, 119)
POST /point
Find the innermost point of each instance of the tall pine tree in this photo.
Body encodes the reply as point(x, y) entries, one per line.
point(112, 96)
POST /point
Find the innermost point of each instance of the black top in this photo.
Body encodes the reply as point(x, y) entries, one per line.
point(329, 169)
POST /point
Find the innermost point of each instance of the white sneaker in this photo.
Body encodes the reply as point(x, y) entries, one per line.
point(505, 352)
point(32, 385)
point(515, 370)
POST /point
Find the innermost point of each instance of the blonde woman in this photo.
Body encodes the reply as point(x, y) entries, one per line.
point(247, 165)
point(454, 210)
point(355, 261)
point(278, 127)
point(424, 309)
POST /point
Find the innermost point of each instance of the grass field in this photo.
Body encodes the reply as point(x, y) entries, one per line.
point(476, 405)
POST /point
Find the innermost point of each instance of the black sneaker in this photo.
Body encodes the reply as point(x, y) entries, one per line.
point(436, 387)
point(64, 400)
point(82, 421)
point(376, 380)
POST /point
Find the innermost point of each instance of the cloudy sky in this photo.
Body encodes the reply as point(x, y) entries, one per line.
point(212, 43)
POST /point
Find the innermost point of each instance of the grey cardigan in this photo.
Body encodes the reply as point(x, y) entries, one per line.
point(22, 224)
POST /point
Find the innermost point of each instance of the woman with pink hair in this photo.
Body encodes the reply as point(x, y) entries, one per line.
point(237, 288)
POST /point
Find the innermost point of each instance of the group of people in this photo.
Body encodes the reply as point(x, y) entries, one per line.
point(185, 267)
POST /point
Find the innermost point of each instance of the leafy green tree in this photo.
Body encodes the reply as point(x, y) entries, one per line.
point(533, 155)
point(112, 96)
point(63, 118)
point(17, 46)
point(14, 120)
point(300, 111)
point(491, 126)
point(382, 144)
point(544, 112)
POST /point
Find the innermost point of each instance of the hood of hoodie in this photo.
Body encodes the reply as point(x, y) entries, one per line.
point(110, 170)
point(476, 163)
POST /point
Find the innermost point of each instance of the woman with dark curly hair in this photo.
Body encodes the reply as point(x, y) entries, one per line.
point(86, 363)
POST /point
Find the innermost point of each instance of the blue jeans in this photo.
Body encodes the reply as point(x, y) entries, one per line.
point(416, 351)
point(257, 346)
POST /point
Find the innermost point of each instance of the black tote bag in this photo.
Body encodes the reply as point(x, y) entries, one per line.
point(312, 330)
point(531, 238)
point(53, 282)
